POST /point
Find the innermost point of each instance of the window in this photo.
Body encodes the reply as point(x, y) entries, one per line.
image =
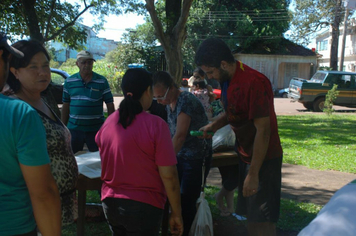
point(323, 45)
point(345, 81)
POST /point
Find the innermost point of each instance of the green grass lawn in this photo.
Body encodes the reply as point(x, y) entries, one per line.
point(319, 141)
point(316, 141)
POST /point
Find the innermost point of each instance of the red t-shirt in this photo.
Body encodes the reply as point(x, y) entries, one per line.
point(130, 158)
point(250, 96)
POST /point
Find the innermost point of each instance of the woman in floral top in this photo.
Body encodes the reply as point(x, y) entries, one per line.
point(185, 113)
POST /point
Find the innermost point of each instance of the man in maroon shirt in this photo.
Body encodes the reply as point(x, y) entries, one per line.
point(250, 112)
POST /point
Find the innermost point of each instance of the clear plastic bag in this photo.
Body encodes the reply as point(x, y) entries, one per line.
point(203, 221)
point(224, 139)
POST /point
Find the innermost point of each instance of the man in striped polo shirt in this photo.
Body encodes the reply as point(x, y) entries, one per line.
point(83, 97)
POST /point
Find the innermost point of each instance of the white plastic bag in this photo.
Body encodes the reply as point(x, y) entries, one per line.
point(224, 138)
point(203, 221)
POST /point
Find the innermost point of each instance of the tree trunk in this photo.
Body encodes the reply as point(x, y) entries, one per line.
point(32, 20)
point(335, 36)
point(173, 39)
point(174, 60)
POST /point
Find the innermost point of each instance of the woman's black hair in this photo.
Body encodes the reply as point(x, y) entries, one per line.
point(200, 72)
point(163, 78)
point(201, 84)
point(134, 83)
point(29, 48)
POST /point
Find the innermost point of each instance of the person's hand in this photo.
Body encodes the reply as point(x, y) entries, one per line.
point(250, 185)
point(206, 129)
point(176, 224)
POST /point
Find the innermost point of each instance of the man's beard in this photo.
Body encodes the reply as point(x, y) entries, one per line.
point(224, 75)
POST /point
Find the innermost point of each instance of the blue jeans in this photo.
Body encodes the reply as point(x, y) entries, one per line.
point(190, 176)
point(132, 218)
point(80, 137)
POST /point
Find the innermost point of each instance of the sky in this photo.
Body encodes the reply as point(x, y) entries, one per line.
point(115, 25)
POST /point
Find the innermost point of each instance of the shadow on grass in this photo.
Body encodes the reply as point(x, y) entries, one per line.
point(330, 130)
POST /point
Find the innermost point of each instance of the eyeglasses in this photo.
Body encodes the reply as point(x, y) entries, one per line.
point(164, 97)
point(88, 62)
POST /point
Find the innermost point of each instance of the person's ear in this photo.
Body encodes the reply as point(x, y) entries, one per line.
point(14, 71)
point(223, 65)
point(149, 91)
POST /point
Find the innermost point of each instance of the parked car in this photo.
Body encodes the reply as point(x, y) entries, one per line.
point(283, 93)
point(58, 77)
point(311, 93)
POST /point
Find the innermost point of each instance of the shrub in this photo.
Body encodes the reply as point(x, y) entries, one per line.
point(329, 100)
point(109, 70)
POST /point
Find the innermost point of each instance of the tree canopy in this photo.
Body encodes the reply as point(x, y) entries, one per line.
point(47, 20)
point(247, 24)
point(179, 25)
point(311, 17)
point(314, 15)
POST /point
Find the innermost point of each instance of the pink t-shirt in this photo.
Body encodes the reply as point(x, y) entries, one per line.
point(130, 158)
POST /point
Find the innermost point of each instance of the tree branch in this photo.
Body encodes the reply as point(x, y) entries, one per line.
point(180, 26)
point(150, 6)
point(71, 23)
point(49, 18)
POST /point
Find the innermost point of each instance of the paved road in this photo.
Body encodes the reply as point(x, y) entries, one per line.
point(283, 106)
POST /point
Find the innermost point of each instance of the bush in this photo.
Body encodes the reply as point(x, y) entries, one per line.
point(109, 70)
point(329, 100)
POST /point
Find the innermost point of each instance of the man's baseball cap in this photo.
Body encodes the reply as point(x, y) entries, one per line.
point(85, 55)
point(13, 51)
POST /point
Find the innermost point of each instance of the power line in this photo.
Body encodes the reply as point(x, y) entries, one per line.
point(245, 11)
point(244, 19)
point(236, 36)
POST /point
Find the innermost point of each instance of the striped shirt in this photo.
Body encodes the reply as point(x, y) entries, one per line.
point(86, 101)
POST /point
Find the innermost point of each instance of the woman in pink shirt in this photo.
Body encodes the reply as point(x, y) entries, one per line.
point(138, 163)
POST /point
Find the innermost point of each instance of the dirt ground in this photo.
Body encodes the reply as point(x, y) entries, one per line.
point(299, 183)
point(227, 226)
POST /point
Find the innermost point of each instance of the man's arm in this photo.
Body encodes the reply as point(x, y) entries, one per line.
point(169, 176)
point(65, 113)
point(220, 122)
point(44, 198)
point(110, 107)
point(260, 146)
point(183, 123)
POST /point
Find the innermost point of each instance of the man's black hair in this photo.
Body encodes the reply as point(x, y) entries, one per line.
point(211, 52)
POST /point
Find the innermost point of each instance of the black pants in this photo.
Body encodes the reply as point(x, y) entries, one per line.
point(229, 176)
point(132, 218)
point(265, 204)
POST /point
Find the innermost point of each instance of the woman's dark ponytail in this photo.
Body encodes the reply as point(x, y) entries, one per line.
point(134, 83)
